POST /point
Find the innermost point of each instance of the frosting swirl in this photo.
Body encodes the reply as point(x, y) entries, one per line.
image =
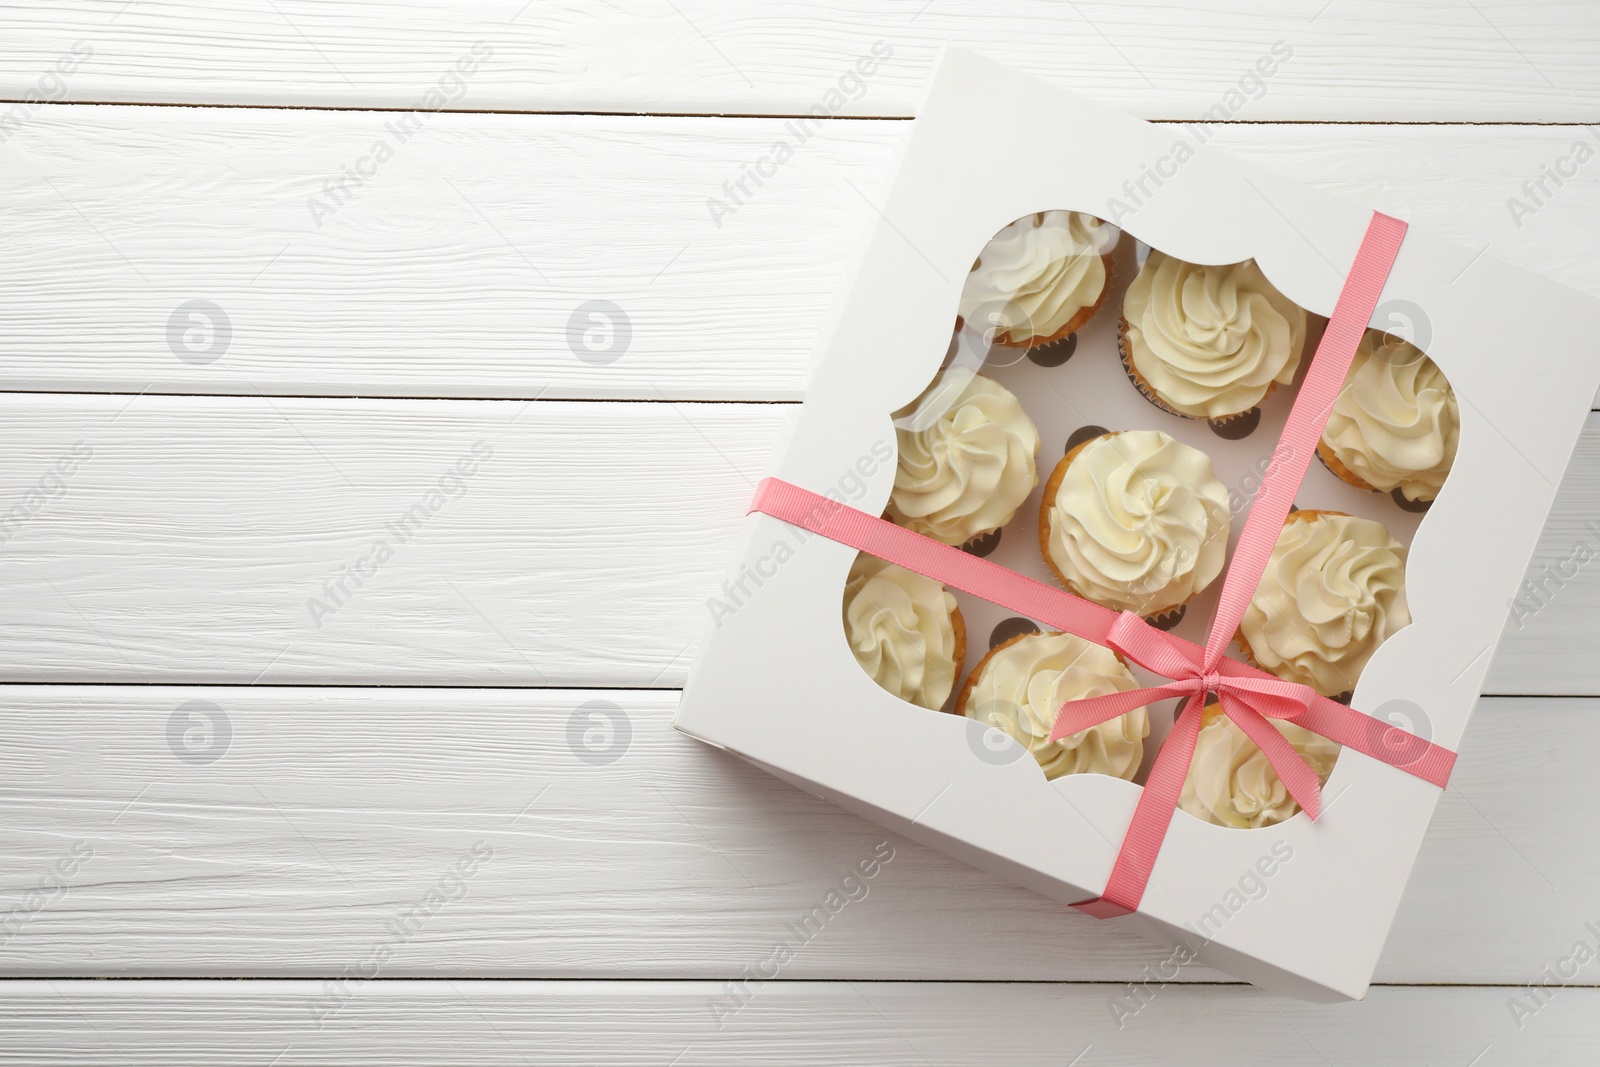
point(1139, 522)
point(1211, 341)
point(1020, 689)
point(1036, 274)
point(901, 627)
point(1230, 782)
point(1396, 423)
point(1333, 591)
point(969, 470)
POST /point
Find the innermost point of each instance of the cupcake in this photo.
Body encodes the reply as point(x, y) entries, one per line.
point(1135, 521)
point(1230, 782)
point(1019, 688)
point(966, 459)
point(905, 630)
point(1396, 424)
point(1208, 342)
point(1333, 591)
point(1040, 278)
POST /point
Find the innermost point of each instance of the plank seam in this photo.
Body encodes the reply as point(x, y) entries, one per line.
point(776, 115)
point(1110, 983)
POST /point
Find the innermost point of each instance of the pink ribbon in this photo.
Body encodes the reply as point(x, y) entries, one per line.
point(1248, 696)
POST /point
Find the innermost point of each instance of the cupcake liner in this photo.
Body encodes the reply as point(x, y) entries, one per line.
point(1238, 427)
point(1055, 353)
point(984, 544)
point(1166, 620)
point(1405, 503)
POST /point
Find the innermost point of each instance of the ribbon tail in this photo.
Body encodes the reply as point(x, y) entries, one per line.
point(1293, 771)
point(1078, 715)
point(1379, 739)
point(1151, 818)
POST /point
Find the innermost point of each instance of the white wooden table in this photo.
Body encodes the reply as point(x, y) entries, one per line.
point(205, 776)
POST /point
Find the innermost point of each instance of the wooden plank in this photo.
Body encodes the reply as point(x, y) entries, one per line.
point(289, 832)
point(236, 540)
point(463, 265)
point(784, 1023)
point(437, 542)
point(1351, 60)
point(1547, 645)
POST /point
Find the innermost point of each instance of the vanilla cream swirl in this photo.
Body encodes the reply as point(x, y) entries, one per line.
point(1230, 782)
point(1396, 424)
point(1333, 591)
point(1020, 690)
point(1211, 341)
point(1036, 274)
point(970, 469)
point(901, 627)
point(1138, 523)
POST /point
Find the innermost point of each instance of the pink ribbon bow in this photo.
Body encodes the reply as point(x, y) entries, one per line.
point(1248, 696)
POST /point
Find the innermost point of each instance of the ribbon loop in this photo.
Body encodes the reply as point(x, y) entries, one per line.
point(1153, 649)
point(1249, 700)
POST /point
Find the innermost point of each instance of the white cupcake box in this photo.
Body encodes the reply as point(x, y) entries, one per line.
point(1301, 908)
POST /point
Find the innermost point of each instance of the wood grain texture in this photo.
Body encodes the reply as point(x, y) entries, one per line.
point(233, 540)
point(1548, 643)
point(290, 832)
point(804, 1025)
point(581, 550)
point(187, 541)
point(458, 267)
point(1352, 59)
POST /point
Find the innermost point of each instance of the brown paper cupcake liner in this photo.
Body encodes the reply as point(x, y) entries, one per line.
point(984, 543)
